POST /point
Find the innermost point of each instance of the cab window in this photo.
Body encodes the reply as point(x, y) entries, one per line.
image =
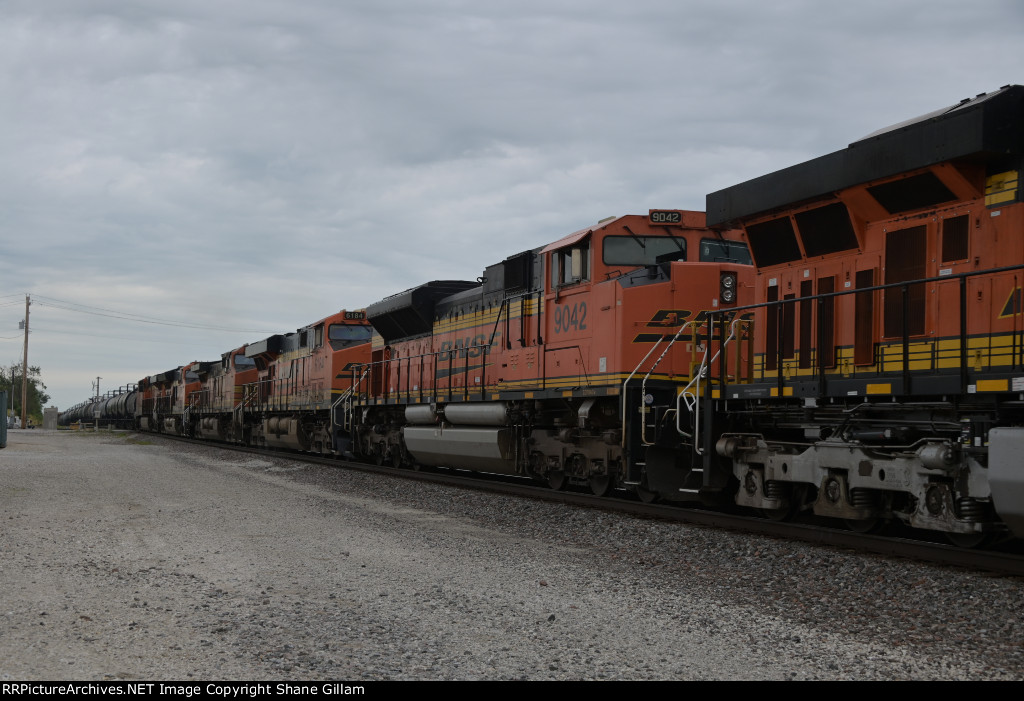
point(571, 265)
point(641, 250)
point(342, 335)
point(722, 251)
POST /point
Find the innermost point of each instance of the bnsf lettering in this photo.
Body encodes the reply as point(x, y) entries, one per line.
point(464, 348)
point(567, 319)
point(669, 317)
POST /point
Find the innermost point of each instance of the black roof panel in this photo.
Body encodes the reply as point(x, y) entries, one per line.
point(987, 127)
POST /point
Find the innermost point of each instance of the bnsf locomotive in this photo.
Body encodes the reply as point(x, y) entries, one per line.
point(563, 363)
point(888, 374)
point(868, 365)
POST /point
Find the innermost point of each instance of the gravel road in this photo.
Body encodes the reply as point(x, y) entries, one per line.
point(127, 557)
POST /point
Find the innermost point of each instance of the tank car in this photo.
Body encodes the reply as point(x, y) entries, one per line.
point(292, 397)
point(119, 408)
point(888, 375)
point(565, 363)
point(116, 410)
point(74, 414)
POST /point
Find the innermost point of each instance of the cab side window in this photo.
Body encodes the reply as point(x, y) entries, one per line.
point(571, 265)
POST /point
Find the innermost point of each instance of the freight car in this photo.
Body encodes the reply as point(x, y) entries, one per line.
point(888, 375)
point(565, 363)
point(117, 409)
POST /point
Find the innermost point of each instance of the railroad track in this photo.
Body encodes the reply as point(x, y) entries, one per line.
point(1007, 560)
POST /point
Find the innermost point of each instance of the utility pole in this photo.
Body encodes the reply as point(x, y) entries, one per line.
point(24, 372)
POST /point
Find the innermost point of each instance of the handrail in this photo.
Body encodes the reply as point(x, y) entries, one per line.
point(643, 384)
point(902, 339)
point(440, 356)
point(347, 395)
point(630, 377)
point(695, 381)
point(643, 389)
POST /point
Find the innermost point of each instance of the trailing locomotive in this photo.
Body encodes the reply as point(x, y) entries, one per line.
point(563, 363)
point(291, 400)
point(281, 392)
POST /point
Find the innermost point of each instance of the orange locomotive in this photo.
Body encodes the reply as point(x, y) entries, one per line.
point(888, 382)
point(213, 411)
point(566, 362)
point(292, 398)
point(281, 392)
point(163, 408)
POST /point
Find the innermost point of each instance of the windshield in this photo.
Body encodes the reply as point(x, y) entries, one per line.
point(349, 334)
point(641, 250)
point(722, 251)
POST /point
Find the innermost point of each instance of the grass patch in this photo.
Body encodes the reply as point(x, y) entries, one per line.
point(132, 440)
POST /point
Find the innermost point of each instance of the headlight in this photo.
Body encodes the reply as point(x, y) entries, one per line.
point(727, 287)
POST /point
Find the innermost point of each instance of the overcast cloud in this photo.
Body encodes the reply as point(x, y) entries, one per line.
point(253, 166)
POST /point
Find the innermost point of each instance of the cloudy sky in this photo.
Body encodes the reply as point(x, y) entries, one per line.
point(181, 178)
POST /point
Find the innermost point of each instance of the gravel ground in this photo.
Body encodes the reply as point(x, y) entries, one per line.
point(127, 557)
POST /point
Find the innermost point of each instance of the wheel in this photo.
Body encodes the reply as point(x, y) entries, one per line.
point(866, 525)
point(798, 495)
point(600, 485)
point(558, 480)
point(646, 495)
point(379, 453)
point(971, 540)
point(396, 457)
point(783, 513)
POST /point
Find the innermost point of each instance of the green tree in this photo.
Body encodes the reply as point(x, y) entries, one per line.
point(10, 380)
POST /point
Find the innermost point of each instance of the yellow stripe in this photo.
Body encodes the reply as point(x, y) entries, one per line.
point(879, 389)
point(1001, 188)
point(993, 385)
point(486, 318)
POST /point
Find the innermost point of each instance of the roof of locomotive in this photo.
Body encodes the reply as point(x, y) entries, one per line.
point(268, 346)
point(578, 235)
point(411, 313)
point(982, 128)
point(168, 376)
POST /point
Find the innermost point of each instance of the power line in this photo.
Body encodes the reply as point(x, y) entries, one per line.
point(129, 316)
point(163, 341)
